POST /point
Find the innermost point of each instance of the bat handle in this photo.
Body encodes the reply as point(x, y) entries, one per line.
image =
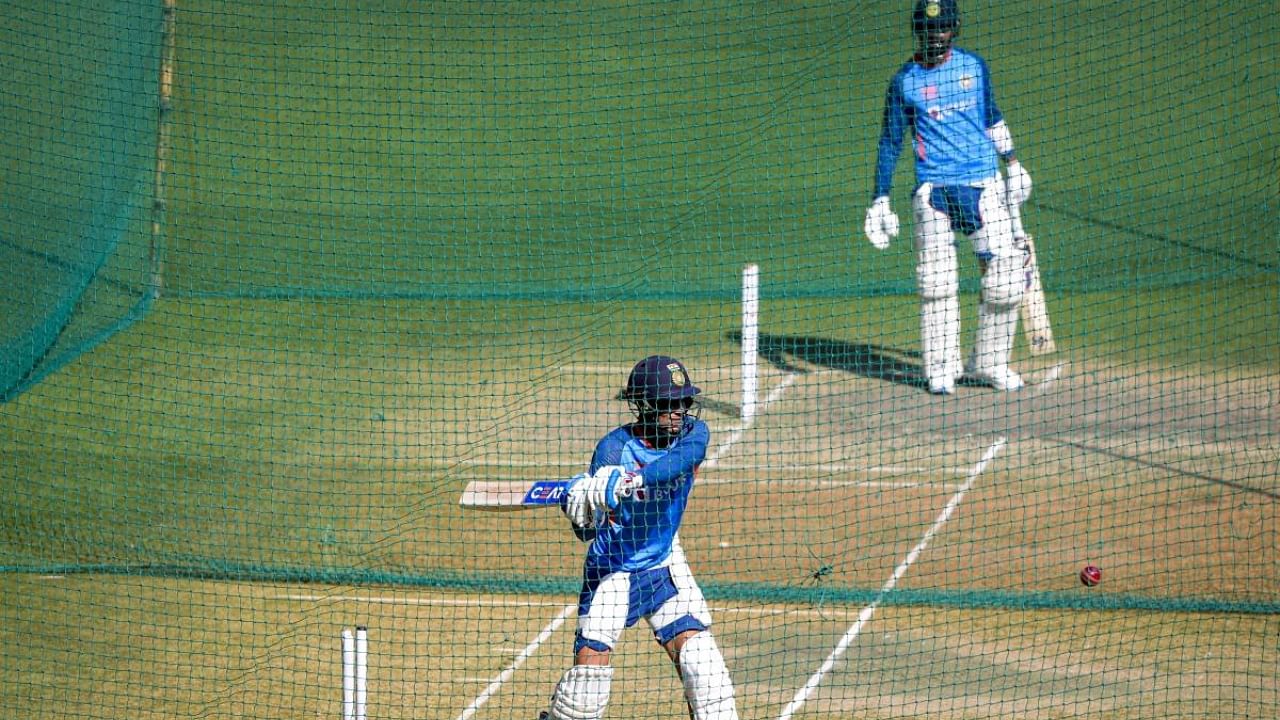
point(1015, 219)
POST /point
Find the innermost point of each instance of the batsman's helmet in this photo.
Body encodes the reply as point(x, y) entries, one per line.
point(935, 16)
point(659, 383)
point(935, 23)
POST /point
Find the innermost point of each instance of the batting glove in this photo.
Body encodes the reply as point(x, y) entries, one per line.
point(610, 484)
point(575, 504)
point(881, 224)
point(1017, 185)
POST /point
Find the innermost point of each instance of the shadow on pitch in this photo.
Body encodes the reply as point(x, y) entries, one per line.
point(800, 354)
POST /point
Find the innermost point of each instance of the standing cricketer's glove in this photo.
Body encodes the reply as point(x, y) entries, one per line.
point(881, 224)
point(1017, 185)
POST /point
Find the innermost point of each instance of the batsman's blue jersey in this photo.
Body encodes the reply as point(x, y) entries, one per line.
point(948, 108)
point(640, 531)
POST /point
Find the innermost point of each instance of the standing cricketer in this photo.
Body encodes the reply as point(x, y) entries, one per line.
point(629, 509)
point(944, 96)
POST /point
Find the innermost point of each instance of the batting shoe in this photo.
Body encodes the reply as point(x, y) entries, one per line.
point(1001, 378)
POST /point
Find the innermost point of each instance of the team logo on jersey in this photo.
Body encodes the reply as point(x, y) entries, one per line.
point(930, 92)
point(966, 82)
point(678, 376)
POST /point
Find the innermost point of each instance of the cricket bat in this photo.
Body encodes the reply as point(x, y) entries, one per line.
point(500, 495)
point(1035, 316)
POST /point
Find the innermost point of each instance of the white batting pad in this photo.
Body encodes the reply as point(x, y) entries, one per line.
point(707, 685)
point(582, 693)
point(940, 342)
point(990, 361)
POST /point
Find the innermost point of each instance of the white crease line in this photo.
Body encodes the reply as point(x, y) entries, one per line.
point(373, 600)
point(584, 368)
point(844, 468)
point(500, 464)
point(712, 371)
point(504, 462)
point(497, 683)
point(737, 433)
point(822, 483)
point(387, 600)
point(865, 616)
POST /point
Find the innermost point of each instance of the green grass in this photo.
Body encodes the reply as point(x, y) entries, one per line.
point(218, 424)
point(668, 146)
point(409, 244)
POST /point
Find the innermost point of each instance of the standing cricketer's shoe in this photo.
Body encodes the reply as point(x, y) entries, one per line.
point(998, 378)
point(946, 385)
point(544, 715)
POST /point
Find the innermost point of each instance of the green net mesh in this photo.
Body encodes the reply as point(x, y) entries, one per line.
point(282, 279)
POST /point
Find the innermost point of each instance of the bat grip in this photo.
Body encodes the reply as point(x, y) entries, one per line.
point(1015, 219)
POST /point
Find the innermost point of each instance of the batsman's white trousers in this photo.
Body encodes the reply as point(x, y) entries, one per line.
point(610, 608)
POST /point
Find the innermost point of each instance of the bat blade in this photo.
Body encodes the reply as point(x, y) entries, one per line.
point(500, 495)
point(1035, 313)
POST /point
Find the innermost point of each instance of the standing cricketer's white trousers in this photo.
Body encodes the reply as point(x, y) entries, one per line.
point(937, 278)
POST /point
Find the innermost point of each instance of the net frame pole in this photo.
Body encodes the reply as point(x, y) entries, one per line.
point(159, 200)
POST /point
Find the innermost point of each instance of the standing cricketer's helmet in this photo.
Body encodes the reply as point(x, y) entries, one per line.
point(935, 23)
point(657, 384)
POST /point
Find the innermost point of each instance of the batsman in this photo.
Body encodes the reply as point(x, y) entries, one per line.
point(944, 96)
point(629, 508)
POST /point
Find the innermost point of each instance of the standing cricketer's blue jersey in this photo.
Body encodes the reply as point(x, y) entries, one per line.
point(949, 108)
point(641, 529)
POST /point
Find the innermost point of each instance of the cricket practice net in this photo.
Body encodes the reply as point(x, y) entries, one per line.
point(283, 280)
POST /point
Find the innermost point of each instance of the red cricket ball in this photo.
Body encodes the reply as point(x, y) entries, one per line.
point(1091, 575)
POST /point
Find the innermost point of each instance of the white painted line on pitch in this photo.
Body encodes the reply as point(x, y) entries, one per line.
point(710, 371)
point(728, 610)
point(845, 468)
point(865, 616)
point(387, 600)
point(505, 462)
point(602, 369)
point(819, 484)
point(737, 434)
point(497, 683)
point(824, 483)
point(746, 467)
